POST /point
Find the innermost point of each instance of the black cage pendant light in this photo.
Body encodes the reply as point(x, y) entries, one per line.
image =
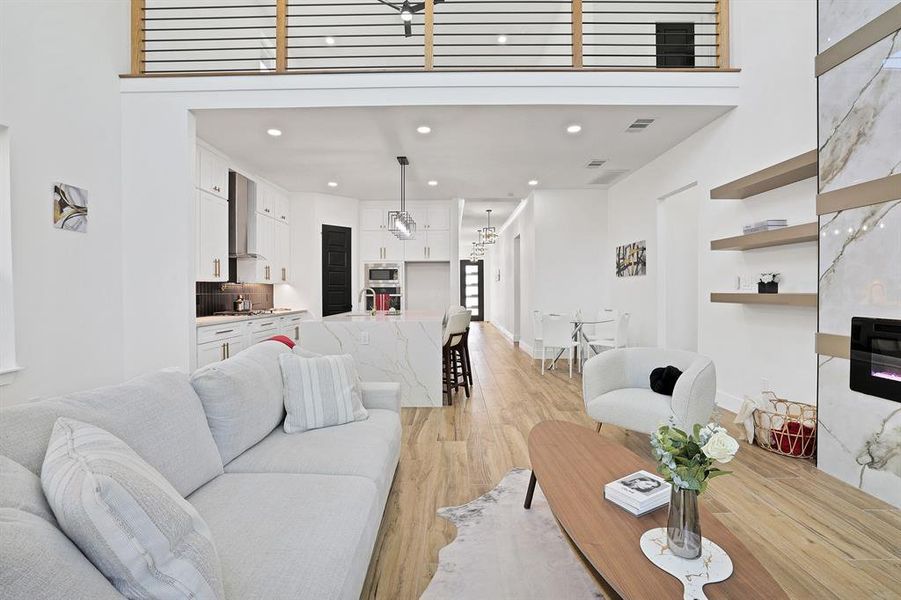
point(400, 222)
point(488, 234)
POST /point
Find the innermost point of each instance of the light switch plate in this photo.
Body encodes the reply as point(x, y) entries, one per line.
point(364, 338)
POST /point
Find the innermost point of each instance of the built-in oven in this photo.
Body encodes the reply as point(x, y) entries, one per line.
point(386, 274)
point(876, 357)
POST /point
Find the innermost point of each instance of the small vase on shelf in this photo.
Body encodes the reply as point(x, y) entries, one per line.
point(683, 526)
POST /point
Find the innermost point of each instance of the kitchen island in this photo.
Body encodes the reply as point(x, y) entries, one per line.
point(405, 348)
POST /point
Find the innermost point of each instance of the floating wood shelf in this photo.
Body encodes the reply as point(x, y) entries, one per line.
point(774, 299)
point(795, 234)
point(830, 344)
point(787, 172)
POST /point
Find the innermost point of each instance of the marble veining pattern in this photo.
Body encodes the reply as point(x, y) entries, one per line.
point(860, 117)
point(405, 351)
point(838, 18)
point(860, 265)
point(505, 551)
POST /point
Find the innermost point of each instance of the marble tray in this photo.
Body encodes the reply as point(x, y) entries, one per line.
point(713, 565)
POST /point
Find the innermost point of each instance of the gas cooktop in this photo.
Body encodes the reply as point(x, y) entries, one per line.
point(250, 313)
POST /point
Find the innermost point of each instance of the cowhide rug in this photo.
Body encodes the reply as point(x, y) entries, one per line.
point(504, 551)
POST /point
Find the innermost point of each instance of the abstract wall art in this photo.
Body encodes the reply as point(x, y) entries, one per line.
point(631, 259)
point(70, 208)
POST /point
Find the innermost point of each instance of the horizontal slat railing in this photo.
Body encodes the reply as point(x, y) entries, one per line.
point(175, 37)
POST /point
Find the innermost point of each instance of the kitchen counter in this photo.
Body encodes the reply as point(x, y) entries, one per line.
point(222, 319)
point(404, 348)
point(400, 317)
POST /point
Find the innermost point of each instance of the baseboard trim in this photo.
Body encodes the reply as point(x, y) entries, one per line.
point(728, 401)
point(504, 332)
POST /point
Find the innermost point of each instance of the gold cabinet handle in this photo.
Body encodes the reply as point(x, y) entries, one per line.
point(228, 350)
point(284, 274)
point(223, 351)
point(296, 332)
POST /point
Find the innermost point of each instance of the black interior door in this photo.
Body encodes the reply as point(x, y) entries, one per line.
point(472, 287)
point(336, 292)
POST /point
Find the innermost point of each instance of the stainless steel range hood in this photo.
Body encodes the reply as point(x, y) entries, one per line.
point(242, 218)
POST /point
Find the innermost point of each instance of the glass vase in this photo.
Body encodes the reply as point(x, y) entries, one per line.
point(683, 526)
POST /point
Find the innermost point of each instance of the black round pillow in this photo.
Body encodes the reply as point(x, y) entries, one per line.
point(663, 379)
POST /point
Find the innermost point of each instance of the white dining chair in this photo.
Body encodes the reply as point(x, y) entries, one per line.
point(616, 336)
point(557, 333)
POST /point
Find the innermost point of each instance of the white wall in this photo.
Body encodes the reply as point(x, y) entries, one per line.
point(562, 234)
point(309, 212)
point(775, 120)
point(59, 96)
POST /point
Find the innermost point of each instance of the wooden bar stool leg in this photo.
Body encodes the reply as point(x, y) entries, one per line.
point(466, 352)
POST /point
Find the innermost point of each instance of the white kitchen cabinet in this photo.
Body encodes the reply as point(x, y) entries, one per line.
point(218, 342)
point(263, 329)
point(290, 327)
point(262, 269)
point(380, 246)
point(282, 253)
point(213, 172)
point(283, 208)
point(212, 234)
point(267, 200)
point(438, 245)
point(416, 249)
point(373, 219)
point(438, 217)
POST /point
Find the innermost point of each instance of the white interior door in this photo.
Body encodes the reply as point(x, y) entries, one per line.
point(517, 291)
point(679, 255)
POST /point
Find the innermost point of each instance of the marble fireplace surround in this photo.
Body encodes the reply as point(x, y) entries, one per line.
point(859, 117)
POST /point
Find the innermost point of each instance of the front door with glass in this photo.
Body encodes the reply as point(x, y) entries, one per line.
point(472, 287)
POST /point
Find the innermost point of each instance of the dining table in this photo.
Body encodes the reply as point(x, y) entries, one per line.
point(580, 336)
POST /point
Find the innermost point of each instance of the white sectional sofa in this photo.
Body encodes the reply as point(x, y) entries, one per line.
point(292, 515)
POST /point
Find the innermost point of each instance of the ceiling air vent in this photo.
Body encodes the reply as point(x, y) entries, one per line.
point(608, 177)
point(594, 163)
point(639, 125)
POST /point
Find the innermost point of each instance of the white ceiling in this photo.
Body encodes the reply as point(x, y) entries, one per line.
point(473, 152)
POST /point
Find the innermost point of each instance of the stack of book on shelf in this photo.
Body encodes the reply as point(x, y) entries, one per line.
point(638, 493)
point(765, 225)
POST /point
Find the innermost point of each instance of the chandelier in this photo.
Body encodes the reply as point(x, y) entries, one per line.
point(477, 252)
point(400, 222)
point(488, 234)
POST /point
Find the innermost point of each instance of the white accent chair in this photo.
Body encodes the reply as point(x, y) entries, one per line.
point(557, 334)
point(616, 389)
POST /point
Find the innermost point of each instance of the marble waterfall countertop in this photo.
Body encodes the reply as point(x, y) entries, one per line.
point(405, 348)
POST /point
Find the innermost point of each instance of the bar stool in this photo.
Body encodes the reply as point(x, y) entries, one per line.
point(455, 360)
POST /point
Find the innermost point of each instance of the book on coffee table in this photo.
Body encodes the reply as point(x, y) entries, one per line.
point(638, 493)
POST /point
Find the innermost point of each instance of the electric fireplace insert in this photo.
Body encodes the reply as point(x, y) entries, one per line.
point(876, 357)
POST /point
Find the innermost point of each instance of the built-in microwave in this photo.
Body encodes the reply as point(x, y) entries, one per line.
point(382, 274)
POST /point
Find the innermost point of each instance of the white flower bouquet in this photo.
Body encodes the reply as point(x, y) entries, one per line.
point(686, 460)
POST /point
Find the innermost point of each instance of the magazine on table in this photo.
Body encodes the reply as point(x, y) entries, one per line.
point(639, 493)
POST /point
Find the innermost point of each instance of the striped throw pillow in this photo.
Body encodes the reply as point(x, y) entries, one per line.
point(320, 392)
point(126, 518)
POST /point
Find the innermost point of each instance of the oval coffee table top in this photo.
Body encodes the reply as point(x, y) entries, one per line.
point(572, 464)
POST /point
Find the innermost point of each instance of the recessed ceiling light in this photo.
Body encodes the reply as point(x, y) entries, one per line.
point(501, 39)
point(333, 184)
point(330, 40)
point(533, 182)
point(433, 183)
point(274, 132)
point(574, 128)
point(424, 129)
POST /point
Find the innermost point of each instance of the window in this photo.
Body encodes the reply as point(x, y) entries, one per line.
point(675, 45)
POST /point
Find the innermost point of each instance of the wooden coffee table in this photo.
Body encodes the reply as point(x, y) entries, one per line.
point(573, 464)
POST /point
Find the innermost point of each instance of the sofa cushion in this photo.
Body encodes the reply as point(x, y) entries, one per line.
point(242, 397)
point(291, 536)
point(39, 561)
point(126, 518)
point(367, 448)
point(158, 415)
point(320, 392)
point(638, 409)
point(21, 489)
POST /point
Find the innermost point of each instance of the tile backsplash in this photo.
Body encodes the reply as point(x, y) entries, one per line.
point(213, 297)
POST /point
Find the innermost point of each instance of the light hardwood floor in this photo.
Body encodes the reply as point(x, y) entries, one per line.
point(818, 537)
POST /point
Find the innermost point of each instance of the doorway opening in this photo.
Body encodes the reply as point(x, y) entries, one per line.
point(336, 281)
point(472, 287)
point(677, 232)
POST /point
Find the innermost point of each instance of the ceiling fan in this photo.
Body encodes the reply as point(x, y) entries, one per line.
point(407, 11)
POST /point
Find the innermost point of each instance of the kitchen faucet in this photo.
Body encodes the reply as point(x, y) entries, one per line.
point(361, 298)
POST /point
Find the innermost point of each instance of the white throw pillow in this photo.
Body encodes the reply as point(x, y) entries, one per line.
point(127, 518)
point(320, 392)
